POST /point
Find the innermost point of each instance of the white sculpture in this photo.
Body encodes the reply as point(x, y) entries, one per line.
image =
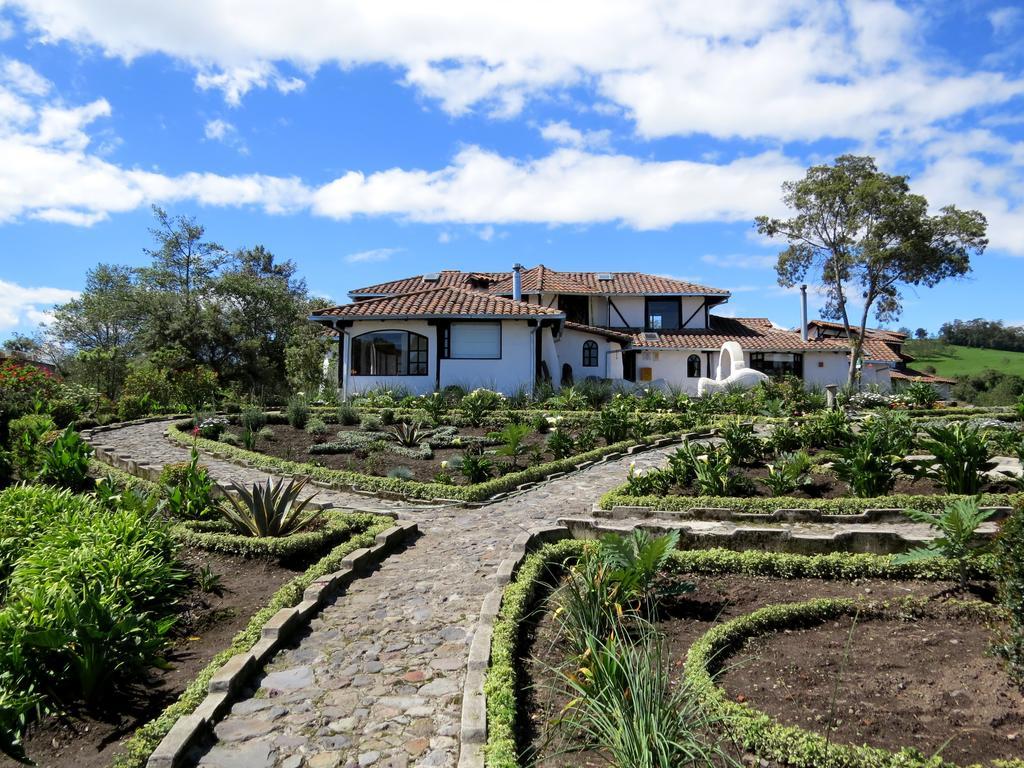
point(732, 372)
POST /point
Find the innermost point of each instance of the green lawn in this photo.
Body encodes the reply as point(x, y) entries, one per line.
point(953, 361)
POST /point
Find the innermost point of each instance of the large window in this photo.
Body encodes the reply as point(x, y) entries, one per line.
point(778, 363)
point(663, 314)
point(475, 341)
point(693, 366)
point(590, 354)
point(389, 353)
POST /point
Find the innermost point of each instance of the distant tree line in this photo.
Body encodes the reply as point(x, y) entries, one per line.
point(984, 334)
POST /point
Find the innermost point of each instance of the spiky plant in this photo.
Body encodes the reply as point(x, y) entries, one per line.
point(270, 509)
point(958, 523)
point(410, 435)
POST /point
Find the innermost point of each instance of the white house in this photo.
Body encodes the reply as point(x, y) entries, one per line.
point(507, 330)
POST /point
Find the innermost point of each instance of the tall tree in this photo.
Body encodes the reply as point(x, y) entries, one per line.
point(183, 262)
point(866, 236)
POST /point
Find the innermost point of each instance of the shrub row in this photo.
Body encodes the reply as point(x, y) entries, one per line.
point(518, 602)
point(618, 497)
point(766, 737)
point(217, 536)
point(337, 478)
point(145, 740)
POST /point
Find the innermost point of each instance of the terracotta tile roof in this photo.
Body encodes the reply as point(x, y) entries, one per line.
point(541, 279)
point(619, 336)
point(755, 334)
point(452, 278)
point(911, 375)
point(437, 303)
point(880, 333)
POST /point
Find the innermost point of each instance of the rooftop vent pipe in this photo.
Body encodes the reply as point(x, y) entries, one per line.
point(803, 312)
point(517, 282)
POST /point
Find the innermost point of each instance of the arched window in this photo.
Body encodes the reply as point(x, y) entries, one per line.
point(590, 354)
point(389, 353)
point(693, 366)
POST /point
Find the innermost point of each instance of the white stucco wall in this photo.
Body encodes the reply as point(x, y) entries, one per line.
point(570, 350)
point(823, 368)
point(513, 371)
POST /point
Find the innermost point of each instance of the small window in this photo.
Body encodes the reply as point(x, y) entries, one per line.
point(590, 354)
point(693, 366)
point(476, 341)
point(389, 353)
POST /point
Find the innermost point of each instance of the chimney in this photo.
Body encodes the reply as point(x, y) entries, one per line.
point(517, 282)
point(803, 312)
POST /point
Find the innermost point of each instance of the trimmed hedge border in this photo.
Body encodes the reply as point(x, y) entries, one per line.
point(518, 599)
point(216, 536)
point(345, 480)
point(766, 737)
point(141, 745)
point(617, 497)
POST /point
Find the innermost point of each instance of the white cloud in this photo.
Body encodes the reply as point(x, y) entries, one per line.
point(739, 261)
point(789, 69)
point(225, 133)
point(22, 78)
point(20, 305)
point(1004, 20)
point(563, 133)
point(444, 238)
point(6, 29)
point(486, 233)
point(372, 256)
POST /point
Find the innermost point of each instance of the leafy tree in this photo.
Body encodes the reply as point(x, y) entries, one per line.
point(865, 235)
point(183, 262)
point(921, 334)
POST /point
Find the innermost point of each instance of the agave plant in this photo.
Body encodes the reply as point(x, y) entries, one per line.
point(271, 509)
point(409, 435)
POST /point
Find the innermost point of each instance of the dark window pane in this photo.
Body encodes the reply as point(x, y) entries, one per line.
point(663, 314)
point(590, 354)
point(693, 366)
point(778, 363)
point(390, 353)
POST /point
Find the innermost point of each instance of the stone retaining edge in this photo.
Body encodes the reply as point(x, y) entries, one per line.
point(279, 628)
point(473, 728)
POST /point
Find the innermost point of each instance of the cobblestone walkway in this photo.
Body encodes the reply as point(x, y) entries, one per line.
point(377, 679)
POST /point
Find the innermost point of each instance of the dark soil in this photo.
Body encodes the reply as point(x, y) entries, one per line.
point(206, 625)
point(902, 684)
point(720, 598)
point(294, 444)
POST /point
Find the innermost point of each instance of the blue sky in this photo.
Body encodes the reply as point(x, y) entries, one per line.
point(367, 141)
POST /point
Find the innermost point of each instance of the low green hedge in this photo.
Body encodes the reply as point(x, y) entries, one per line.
point(217, 536)
point(766, 737)
point(139, 747)
point(518, 602)
point(618, 497)
point(337, 478)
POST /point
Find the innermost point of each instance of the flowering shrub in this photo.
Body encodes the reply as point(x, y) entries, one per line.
point(870, 400)
point(22, 386)
point(479, 403)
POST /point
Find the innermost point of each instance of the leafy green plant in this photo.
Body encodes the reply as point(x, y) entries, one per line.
point(27, 436)
point(348, 416)
point(253, 418)
point(65, 461)
point(401, 473)
point(1009, 549)
point(893, 432)
point(436, 406)
point(787, 473)
point(652, 482)
point(269, 509)
point(741, 444)
point(958, 523)
point(250, 438)
point(187, 489)
point(208, 581)
point(475, 467)
point(784, 439)
point(921, 394)
point(316, 427)
point(408, 434)
point(477, 404)
point(297, 411)
point(865, 467)
point(682, 463)
point(560, 443)
point(513, 444)
point(712, 475)
point(266, 433)
point(961, 457)
point(615, 420)
point(830, 429)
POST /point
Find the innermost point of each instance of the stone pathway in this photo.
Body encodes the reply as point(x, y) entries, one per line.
point(377, 679)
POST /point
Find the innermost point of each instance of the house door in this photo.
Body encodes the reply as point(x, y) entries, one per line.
point(629, 366)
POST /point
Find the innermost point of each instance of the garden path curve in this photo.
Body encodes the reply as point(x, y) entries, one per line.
point(377, 679)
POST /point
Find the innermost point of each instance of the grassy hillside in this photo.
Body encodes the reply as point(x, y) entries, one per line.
point(954, 361)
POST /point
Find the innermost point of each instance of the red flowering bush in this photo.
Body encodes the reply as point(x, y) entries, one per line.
point(22, 385)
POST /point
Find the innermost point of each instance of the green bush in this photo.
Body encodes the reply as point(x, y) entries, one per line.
point(88, 591)
point(787, 473)
point(921, 394)
point(316, 427)
point(475, 467)
point(297, 411)
point(27, 440)
point(477, 404)
point(65, 461)
point(961, 457)
point(958, 523)
point(348, 416)
point(865, 466)
point(187, 489)
point(742, 446)
point(253, 418)
point(1009, 550)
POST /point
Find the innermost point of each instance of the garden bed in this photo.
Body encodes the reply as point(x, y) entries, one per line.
point(898, 671)
point(206, 624)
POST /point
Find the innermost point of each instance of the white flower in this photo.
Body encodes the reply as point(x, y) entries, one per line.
point(632, 465)
point(444, 464)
